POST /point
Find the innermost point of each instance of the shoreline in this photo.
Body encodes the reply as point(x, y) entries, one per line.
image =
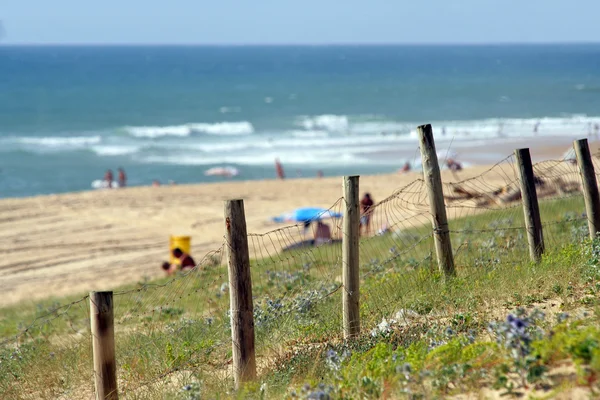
point(472, 154)
point(71, 243)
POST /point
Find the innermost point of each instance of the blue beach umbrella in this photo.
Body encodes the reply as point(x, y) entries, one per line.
point(307, 214)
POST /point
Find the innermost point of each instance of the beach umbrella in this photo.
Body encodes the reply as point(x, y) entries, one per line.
point(307, 214)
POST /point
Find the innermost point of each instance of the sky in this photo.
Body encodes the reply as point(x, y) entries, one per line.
point(222, 22)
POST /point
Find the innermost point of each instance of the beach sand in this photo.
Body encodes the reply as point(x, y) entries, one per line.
point(72, 243)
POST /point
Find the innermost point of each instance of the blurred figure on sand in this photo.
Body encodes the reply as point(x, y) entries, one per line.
point(155, 183)
point(186, 262)
point(122, 177)
point(319, 174)
point(405, 168)
point(108, 178)
point(366, 210)
point(454, 166)
point(322, 233)
point(279, 169)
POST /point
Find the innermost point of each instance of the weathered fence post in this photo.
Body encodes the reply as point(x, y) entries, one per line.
point(350, 264)
point(240, 293)
point(590, 186)
point(433, 181)
point(531, 209)
point(103, 345)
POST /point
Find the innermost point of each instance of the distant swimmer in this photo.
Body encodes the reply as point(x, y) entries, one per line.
point(122, 177)
point(536, 128)
point(596, 130)
point(279, 169)
point(443, 131)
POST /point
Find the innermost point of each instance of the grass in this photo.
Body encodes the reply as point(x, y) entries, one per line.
point(423, 335)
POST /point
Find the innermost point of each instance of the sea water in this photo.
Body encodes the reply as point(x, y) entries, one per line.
point(67, 114)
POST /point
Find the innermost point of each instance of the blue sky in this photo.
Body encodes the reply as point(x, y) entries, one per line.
point(299, 22)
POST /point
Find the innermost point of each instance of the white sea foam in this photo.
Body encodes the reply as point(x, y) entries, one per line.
point(115, 150)
point(373, 140)
point(318, 156)
point(60, 142)
point(219, 128)
point(224, 128)
point(308, 134)
point(158, 131)
point(228, 147)
point(329, 122)
point(574, 125)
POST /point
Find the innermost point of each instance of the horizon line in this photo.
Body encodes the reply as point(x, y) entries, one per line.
point(332, 44)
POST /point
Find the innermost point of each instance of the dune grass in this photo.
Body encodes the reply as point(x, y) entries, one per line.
point(173, 337)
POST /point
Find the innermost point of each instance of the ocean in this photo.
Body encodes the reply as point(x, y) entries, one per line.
point(67, 114)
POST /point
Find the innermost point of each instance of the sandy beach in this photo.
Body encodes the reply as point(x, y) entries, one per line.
point(73, 243)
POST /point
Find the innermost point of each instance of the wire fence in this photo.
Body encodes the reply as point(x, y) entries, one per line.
point(176, 333)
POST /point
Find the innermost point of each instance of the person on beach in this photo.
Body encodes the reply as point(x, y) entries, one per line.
point(536, 127)
point(322, 233)
point(596, 131)
point(108, 178)
point(454, 166)
point(405, 168)
point(122, 177)
point(319, 174)
point(186, 262)
point(279, 169)
point(366, 208)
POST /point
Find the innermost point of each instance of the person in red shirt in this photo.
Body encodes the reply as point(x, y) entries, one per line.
point(405, 168)
point(279, 169)
point(366, 208)
point(186, 262)
point(122, 178)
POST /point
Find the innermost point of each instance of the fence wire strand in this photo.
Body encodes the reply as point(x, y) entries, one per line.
point(175, 332)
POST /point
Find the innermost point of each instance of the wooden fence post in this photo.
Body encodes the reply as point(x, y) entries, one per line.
point(531, 209)
point(590, 186)
point(433, 181)
point(350, 262)
point(103, 345)
point(240, 293)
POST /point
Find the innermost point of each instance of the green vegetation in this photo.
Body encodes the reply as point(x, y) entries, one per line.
point(424, 336)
